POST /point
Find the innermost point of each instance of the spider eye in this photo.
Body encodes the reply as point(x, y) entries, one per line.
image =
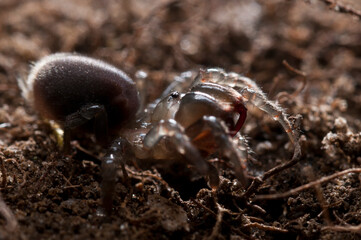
point(174, 95)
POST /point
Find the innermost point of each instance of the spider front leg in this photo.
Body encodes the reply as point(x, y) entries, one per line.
point(183, 145)
point(250, 93)
point(84, 115)
point(219, 76)
point(211, 135)
point(117, 154)
point(253, 94)
point(259, 99)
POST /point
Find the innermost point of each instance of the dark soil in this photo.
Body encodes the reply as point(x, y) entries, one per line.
point(49, 196)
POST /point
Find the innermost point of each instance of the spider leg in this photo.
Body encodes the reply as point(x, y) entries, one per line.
point(119, 151)
point(219, 76)
point(259, 99)
point(183, 145)
point(250, 93)
point(209, 127)
point(85, 114)
point(228, 98)
point(253, 94)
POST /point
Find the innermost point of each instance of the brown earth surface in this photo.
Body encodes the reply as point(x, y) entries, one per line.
point(46, 195)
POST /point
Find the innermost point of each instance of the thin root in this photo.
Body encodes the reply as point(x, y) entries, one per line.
point(265, 227)
point(308, 185)
point(6, 212)
point(280, 96)
point(3, 173)
point(217, 226)
point(319, 195)
point(339, 7)
point(355, 229)
point(146, 174)
point(279, 168)
point(219, 220)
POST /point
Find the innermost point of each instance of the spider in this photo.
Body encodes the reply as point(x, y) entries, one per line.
point(192, 125)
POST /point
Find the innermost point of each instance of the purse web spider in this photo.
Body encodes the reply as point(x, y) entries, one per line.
point(191, 125)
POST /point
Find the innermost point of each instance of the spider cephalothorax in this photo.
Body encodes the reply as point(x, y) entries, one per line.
point(200, 121)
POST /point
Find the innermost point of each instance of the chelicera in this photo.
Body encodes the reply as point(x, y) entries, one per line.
point(193, 124)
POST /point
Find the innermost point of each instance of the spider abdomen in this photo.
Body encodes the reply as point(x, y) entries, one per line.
point(61, 84)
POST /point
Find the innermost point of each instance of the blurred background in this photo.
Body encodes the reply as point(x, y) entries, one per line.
point(304, 54)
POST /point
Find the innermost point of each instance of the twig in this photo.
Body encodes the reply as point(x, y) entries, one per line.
point(265, 227)
point(72, 186)
point(308, 185)
point(258, 181)
point(204, 207)
point(94, 159)
point(295, 158)
point(255, 219)
point(292, 69)
point(339, 7)
point(355, 229)
point(217, 226)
